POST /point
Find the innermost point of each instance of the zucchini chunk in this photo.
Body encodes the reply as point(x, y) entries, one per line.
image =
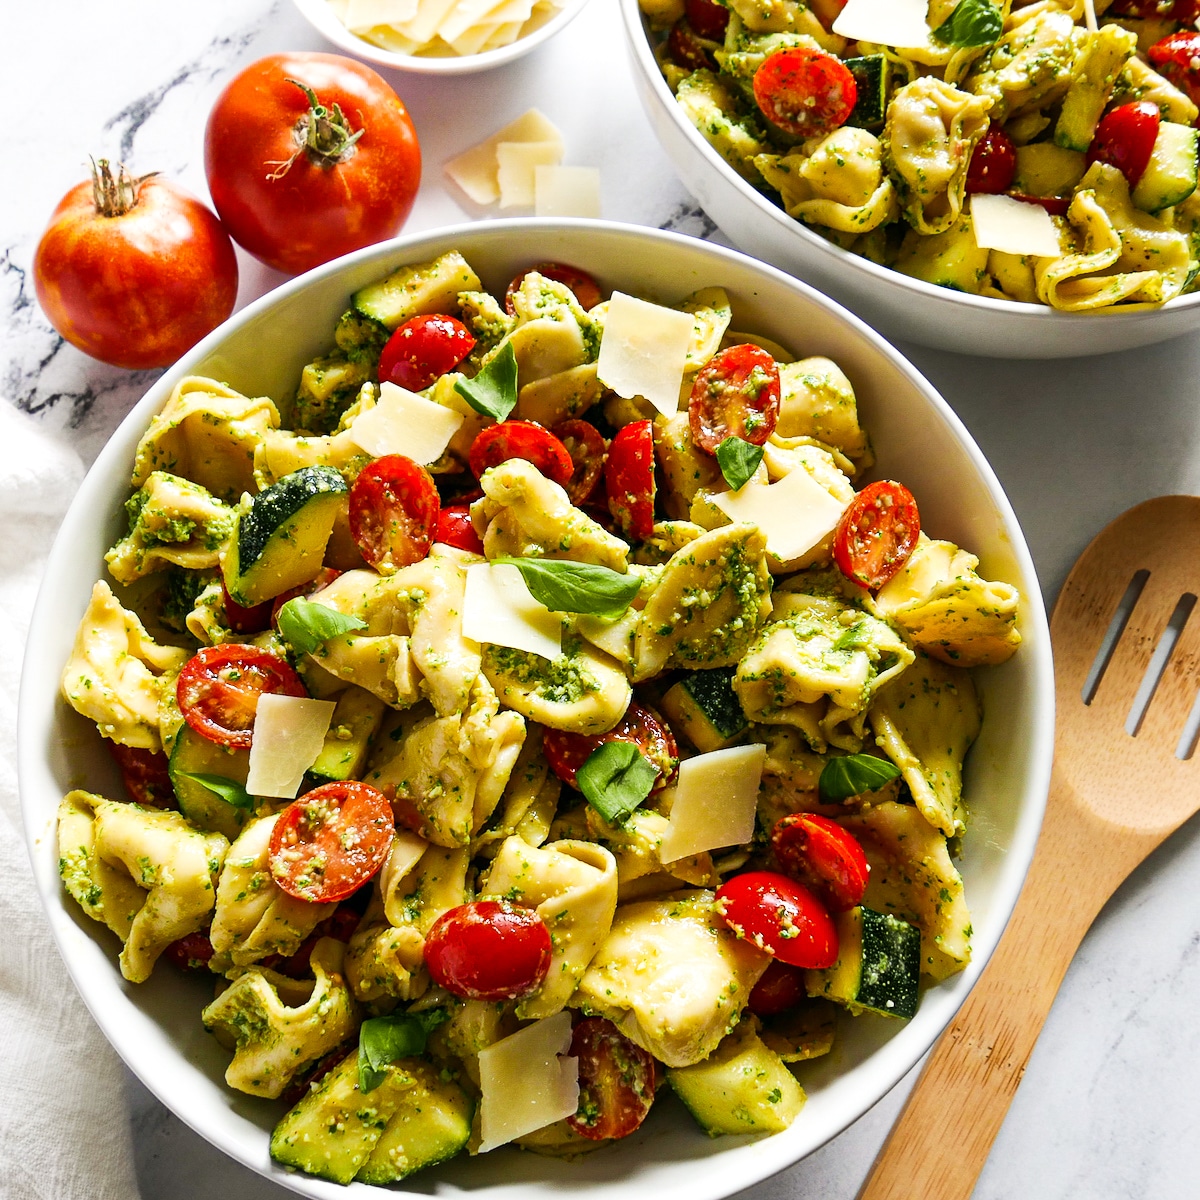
point(1170, 177)
point(431, 287)
point(196, 755)
point(704, 708)
point(356, 719)
point(871, 74)
point(878, 966)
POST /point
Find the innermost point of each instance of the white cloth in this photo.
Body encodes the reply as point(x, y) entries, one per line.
point(64, 1133)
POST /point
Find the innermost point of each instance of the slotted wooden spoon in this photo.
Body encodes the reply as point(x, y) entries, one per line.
point(1114, 797)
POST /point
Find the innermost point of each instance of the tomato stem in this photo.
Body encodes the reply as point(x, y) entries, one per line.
point(115, 195)
point(323, 133)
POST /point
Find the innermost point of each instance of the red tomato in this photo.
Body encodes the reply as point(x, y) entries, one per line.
point(145, 775)
point(1056, 206)
point(394, 506)
point(488, 950)
point(322, 579)
point(877, 533)
point(736, 394)
point(309, 156)
point(586, 289)
point(1125, 139)
point(246, 620)
point(708, 18)
point(423, 349)
point(616, 1081)
point(330, 841)
point(1177, 58)
point(587, 449)
point(687, 50)
point(341, 926)
point(134, 271)
point(629, 479)
point(804, 91)
point(780, 916)
point(779, 988)
point(219, 687)
point(567, 752)
point(521, 439)
point(823, 855)
point(454, 528)
point(190, 953)
point(993, 164)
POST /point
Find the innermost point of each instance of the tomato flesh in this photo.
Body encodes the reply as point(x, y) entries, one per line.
point(145, 775)
point(616, 1081)
point(804, 91)
point(241, 619)
point(993, 164)
point(454, 528)
point(587, 448)
point(1177, 58)
point(322, 579)
point(521, 439)
point(331, 841)
point(779, 916)
point(488, 950)
point(708, 18)
point(779, 988)
point(423, 349)
point(1125, 137)
point(643, 727)
point(190, 953)
point(824, 856)
point(1056, 206)
point(629, 479)
point(585, 288)
point(735, 394)
point(877, 533)
point(394, 506)
point(685, 48)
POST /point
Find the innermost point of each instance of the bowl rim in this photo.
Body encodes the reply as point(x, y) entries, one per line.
point(638, 35)
point(894, 1057)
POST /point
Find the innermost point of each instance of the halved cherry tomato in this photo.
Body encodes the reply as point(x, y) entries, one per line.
point(629, 478)
point(736, 394)
point(423, 349)
point(877, 533)
point(567, 752)
point(190, 953)
point(616, 1081)
point(587, 448)
point(145, 775)
point(687, 50)
point(993, 164)
point(245, 620)
point(322, 579)
point(804, 91)
point(1177, 58)
point(708, 18)
point(488, 950)
point(824, 856)
point(1056, 206)
point(521, 439)
point(779, 916)
point(779, 988)
point(1125, 139)
point(219, 687)
point(586, 289)
point(394, 506)
point(454, 528)
point(330, 841)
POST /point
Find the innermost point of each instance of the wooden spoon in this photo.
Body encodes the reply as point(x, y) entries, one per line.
point(1113, 798)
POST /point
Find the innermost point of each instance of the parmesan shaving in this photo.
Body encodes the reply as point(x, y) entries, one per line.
point(477, 170)
point(289, 732)
point(715, 801)
point(566, 191)
point(1013, 226)
point(499, 610)
point(644, 350)
point(405, 423)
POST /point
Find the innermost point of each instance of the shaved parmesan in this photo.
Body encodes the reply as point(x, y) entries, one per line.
point(405, 423)
point(499, 610)
point(476, 170)
point(289, 732)
point(643, 351)
point(362, 15)
point(516, 163)
point(795, 514)
point(715, 801)
point(886, 22)
point(527, 1082)
point(1002, 223)
point(486, 14)
point(566, 191)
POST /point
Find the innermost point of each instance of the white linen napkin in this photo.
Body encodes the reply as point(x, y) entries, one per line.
point(64, 1131)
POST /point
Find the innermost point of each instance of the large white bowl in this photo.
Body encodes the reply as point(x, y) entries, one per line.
point(156, 1027)
point(903, 308)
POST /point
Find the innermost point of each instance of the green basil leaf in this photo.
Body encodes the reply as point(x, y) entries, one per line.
point(229, 790)
point(383, 1040)
point(738, 460)
point(306, 625)
point(493, 391)
point(615, 779)
point(973, 23)
point(576, 587)
point(853, 774)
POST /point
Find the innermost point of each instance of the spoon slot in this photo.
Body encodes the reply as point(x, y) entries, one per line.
point(1112, 635)
point(1191, 733)
point(1158, 663)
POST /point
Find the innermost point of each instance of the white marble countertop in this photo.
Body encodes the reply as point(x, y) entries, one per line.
point(1111, 1102)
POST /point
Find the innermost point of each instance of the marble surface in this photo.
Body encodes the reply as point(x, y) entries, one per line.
point(1111, 1101)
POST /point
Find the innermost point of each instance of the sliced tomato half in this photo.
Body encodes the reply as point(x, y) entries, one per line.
point(805, 92)
point(587, 448)
point(735, 394)
point(521, 439)
point(877, 533)
point(629, 479)
point(394, 508)
point(643, 727)
point(616, 1081)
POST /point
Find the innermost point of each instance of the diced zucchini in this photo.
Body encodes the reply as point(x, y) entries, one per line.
point(950, 259)
point(355, 721)
point(703, 707)
point(871, 74)
point(196, 755)
point(1111, 47)
point(430, 287)
point(1170, 177)
point(1044, 169)
point(878, 967)
point(328, 386)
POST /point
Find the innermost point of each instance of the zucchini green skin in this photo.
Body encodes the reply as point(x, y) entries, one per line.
point(425, 288)
point(204, 809)
point(1171, 175)
point(355, 721)
point(704, 707)
point(872, 76)
point(1091, 91)
point(878, 968)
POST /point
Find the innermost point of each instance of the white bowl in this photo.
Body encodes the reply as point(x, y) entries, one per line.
point(322, 18)
point(156, 1027)
point(903, 308)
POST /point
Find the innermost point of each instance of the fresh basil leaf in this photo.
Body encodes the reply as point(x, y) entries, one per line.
point(615, 779)
point(738, 460)
point(576, 587)
point(382, 1040)
point(493, 391)
point(973, 23)
point(853, 774)
point(229, 790)
point(306, 625)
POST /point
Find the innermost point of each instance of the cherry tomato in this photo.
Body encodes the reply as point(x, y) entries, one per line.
point(993, 164)
point(736, 394)
point(708, 18)
point(309, 156)
point(488, 950)
point(330, 841)
point(322, 579)
point(134, 271)
point(629, 479)
point(567, 752)
point(779, 916)
point(1125, 139)
point(779, 988)
point(423, 349)
point(587, 449)
point(586, 289)
point(1177, 58)
point(454, 528)
point(877, 533)
point(394, 506)
point(219, 687)
point(1184, 11)
point(804, 91)
point(824, 856)
point(1056, 206)
point(190, 953)
point(616, 1081)
point(145, 775)
point(521, 439)
point(687, 50)
point(246, 620)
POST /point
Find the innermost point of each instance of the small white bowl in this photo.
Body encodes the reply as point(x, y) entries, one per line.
point(903, 308)
point(156, 1026)
point(322, 18)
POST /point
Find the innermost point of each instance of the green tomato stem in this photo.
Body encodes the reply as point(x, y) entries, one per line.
point(324, 134)
point(115, 195)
